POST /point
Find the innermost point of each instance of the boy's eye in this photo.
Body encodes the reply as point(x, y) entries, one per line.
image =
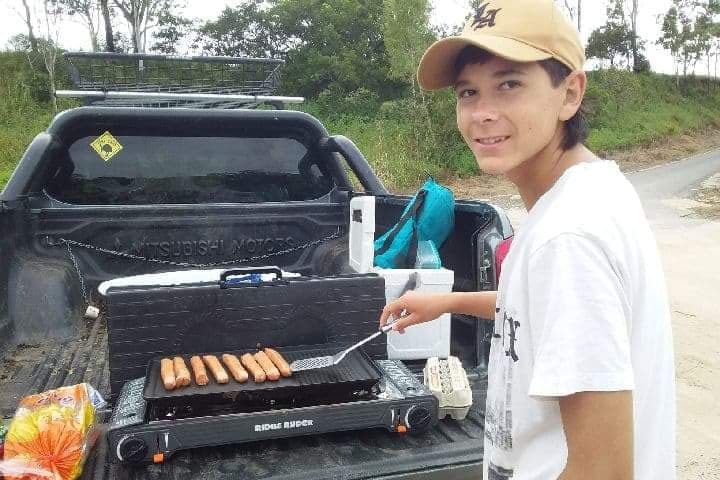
point(466, 93)
point(509, 85)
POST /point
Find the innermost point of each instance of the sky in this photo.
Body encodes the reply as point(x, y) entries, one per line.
point(73, 36)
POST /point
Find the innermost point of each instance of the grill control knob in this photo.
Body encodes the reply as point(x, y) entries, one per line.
point(418, 419)
point(131, 449)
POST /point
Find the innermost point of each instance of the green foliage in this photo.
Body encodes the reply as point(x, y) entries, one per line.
point(247, 30)
point(691, 31)
point(406, 35)
point(22, 115)
point(340, 45)
point(626, 109)
point(328, 45)
point(171, 28)
point(614, 39)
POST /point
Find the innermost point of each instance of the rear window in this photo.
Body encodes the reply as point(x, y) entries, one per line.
point(190, 170)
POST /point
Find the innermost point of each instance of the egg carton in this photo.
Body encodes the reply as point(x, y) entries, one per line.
point(447, 380)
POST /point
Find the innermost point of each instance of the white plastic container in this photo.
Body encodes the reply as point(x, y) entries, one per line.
point(448, 381)
point(431, 339)
point(362, 233)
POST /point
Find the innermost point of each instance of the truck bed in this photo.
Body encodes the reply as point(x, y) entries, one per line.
point(452, 450)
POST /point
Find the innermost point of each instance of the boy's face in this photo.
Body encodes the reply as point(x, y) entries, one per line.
point(507, 112)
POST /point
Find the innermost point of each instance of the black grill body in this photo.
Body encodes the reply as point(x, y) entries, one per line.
point(148, 322)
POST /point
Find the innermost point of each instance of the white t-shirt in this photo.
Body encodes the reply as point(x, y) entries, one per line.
point(582, 306)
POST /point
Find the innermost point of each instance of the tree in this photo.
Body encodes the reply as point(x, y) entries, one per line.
point(406, 36)
point(141, 15)
point(612, 40)
point(714, 6)
point(48, 20)
point(632, 8)
point(336, 44)
point(89, 13)
point(19, 43)
point(634, 37)
point(107, 20)
point(670, 39)
point(579, 15)
point(703, 37)
point(42, 16)
point(29, 25)
point(679, 35)
point(172, 29)
point(574, 12)
point(246, 30)
point(333, 45)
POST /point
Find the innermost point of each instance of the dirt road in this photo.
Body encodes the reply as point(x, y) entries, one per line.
point(690, 249)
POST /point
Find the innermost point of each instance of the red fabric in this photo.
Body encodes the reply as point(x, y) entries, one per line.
point(500, 254)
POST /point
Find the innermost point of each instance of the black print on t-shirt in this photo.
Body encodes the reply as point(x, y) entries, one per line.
point(498, 473)
point(509, 336)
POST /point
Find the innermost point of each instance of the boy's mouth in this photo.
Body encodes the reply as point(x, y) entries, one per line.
point(491, 141)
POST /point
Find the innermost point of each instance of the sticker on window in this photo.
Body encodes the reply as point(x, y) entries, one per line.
point(106, 146)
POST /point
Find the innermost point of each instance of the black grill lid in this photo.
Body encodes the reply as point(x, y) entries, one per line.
point(356, 372)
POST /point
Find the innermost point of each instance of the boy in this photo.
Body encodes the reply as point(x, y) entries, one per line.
point(581, 375)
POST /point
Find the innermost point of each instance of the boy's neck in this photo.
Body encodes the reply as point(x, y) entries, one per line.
point(537, 175)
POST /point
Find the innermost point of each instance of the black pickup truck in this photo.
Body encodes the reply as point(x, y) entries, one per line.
point(178, 188)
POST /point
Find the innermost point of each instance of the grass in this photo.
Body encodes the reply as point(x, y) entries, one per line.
point(626, 110)
point(408, 139)
point(23, 114)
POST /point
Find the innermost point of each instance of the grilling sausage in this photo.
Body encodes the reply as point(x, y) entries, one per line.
point(236, 369)
point(198, 368)
point(271, 371)
point(253, 367)
point(167, 373)
point(182, 374)
point(216, 369)
point(279, 362)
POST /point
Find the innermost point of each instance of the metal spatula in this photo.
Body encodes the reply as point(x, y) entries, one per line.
point(330, 360)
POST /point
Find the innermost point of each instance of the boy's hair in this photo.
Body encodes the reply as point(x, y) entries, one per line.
point(576, 128)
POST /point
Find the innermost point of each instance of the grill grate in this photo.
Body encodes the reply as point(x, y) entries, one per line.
point(356, 372)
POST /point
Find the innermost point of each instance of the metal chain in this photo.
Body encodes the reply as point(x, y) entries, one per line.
point(130, 256)
point(77, 269)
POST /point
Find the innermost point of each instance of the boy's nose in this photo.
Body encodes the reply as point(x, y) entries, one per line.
point(485, 113)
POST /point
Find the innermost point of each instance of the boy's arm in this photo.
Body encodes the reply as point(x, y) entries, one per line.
point(599, 431)
point(423, 307)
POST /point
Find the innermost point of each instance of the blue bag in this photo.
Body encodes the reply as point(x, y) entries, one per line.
point(430, 215)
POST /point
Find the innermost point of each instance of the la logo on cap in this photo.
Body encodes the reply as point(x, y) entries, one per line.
point(485, 19)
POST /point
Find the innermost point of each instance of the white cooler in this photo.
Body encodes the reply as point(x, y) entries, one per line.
point(431, 339)
point(419, 342)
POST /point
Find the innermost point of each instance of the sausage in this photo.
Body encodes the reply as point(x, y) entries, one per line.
point(236, 369)
point(216, 369)
point(253, 367)
point(279, 362)
point(182, 374)
point(198, 368)
point(167, 373)
point(271, 371)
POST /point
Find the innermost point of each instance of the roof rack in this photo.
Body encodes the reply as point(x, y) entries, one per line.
point(163, 81)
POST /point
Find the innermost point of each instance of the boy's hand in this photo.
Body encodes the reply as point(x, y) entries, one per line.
point(413, 308)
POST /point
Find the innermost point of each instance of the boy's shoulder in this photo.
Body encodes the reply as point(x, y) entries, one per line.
point(592, 200)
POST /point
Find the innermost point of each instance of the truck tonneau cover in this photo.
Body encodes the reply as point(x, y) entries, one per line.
point(452, 450)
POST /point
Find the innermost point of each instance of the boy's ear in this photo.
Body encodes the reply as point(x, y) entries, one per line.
point(574, 86)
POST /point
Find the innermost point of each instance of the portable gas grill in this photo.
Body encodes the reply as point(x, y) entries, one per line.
point(150, 424)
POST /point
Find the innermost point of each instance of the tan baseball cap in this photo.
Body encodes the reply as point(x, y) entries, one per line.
point(518, 30)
